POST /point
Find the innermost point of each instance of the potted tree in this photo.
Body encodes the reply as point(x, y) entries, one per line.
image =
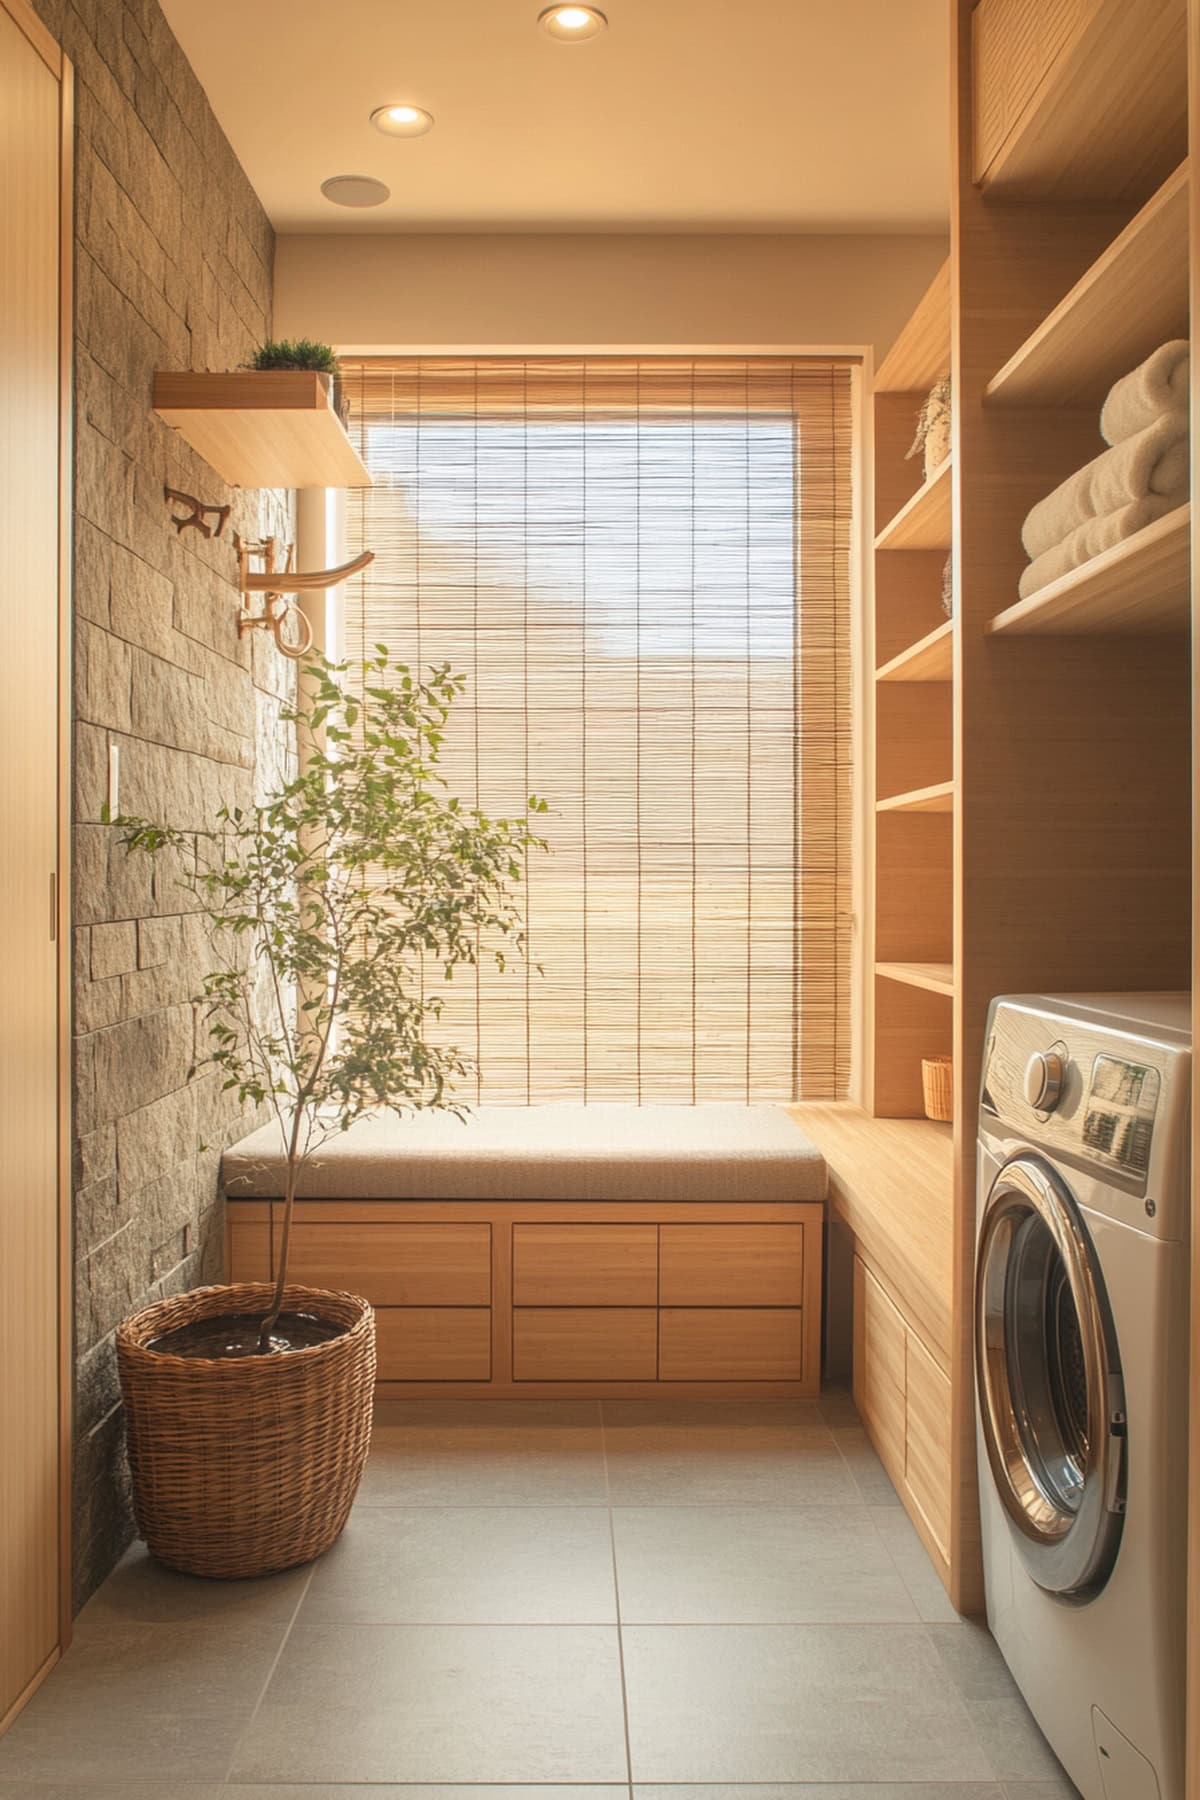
point(248, 1407)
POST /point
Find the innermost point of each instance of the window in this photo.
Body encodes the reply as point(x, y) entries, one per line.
point(641, 567)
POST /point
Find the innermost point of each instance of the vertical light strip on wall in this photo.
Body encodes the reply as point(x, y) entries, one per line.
point(642, 566)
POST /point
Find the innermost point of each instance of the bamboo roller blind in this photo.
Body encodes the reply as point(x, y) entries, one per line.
point(642, 568)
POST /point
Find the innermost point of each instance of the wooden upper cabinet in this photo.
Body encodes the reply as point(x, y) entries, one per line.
point(1080, 99)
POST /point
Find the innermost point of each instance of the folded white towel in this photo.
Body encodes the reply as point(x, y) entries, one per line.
point(1155, 386)
point(1096, 536)
point(1154, 461)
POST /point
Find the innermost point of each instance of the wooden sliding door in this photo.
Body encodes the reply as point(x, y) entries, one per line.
point(35, 115)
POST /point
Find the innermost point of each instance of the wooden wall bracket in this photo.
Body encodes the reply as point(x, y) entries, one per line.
point(276, 583)
point(196, 514)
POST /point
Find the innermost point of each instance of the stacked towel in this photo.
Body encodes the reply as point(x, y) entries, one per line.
point(1157, 386)
point(1140, 478)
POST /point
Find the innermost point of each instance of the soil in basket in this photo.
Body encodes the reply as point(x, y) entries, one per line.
point(231, 1335)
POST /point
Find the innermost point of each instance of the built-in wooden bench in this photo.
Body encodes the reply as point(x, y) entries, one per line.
point(559, 1250)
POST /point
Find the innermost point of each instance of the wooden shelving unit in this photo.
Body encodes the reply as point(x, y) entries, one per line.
point(931, 658)
point(1133, 298)
point(1079, 101)
point(935, 799)
point(1141, 586)
point(935, 978)
point(923, 522)
point(262, 428)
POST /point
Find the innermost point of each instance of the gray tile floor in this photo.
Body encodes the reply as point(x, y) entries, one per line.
point(655, 1601)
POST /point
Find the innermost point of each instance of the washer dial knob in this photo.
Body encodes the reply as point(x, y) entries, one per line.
point(1044, 1075)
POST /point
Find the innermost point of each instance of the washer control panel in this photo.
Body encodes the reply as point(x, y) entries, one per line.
point(1118, 1117)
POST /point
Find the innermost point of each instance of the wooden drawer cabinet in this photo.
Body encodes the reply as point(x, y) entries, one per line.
point(731, 1265)
point(433, 1343)
point(903, 1395)
point(585, 1343)
point(727, 1343)
point(390, 1265)
point(585, 1265)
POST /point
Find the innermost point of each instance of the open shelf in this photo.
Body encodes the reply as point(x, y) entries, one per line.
point(938, 798)
point(1132, 299)
point(931, 658)
point(921, 353)
point(262, 428)
point(924, 522)
point(935, 978)
point(1087, 101)
point(1142, 585)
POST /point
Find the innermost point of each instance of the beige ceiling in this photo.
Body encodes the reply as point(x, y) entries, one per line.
point(686, 115)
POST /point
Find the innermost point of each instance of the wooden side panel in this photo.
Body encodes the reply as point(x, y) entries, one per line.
point(553, 1343)
point(732, 1265)
point(30, 1473)
point(927, 1465)
point(1016, 44)
point(879, 1367)
point(731, 1344)
point(434, 1343)
point(585, 1265)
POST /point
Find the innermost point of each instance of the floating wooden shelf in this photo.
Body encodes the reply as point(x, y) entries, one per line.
point(262, 428)
point(892, 1181)
point(1132, 299)
point(1140, 586)
point(924, 523)
point(936, 978)
point(938, 798)
point(921, 353)
point(931, 658)
point(1087, 102)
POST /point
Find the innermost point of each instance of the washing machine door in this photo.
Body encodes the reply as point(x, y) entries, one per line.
point(1051, 1399)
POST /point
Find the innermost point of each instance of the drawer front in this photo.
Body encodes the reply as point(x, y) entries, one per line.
point(927, 1464)
point(880, 1350)
point(434, 1343)
point(389, 1264)
point(585, 1265)
point(1014, 43)
point(731, 1344)
point(579, 1343)
point(732, 1265)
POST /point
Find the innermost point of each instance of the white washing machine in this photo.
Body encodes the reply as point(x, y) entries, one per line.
point(1081, 1316)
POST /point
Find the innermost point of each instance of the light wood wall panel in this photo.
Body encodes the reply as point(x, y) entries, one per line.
point(34, 309)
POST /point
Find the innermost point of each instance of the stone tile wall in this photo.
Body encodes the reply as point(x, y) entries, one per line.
point(172, 271)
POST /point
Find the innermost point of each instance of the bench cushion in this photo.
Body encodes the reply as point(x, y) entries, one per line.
point(607, 1152)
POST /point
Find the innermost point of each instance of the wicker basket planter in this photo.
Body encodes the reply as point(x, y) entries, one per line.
point(247, 1466)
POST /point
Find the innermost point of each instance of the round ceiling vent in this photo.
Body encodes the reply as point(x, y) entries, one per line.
point(355, 190)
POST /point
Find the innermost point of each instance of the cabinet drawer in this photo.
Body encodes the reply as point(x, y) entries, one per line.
point(579, 1343)
point(879, 1366)
point(434, 1343)
point(389, 1264)
point(927, 1461)
point(731, 1344)
point(732, 1265)
point(585, 1265)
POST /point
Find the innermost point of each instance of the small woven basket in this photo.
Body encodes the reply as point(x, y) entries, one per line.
point(250, 1465)
point(937, 1079)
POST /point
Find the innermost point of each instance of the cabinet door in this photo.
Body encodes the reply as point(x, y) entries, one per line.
point(880, 1353)
point(585, 1343)
point(585, 1265)
point(434, 1343)
point(927, 1439)
point(731, 1343)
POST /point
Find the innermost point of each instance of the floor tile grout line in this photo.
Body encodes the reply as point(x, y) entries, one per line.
point(612, 1538)
point(270, 1676)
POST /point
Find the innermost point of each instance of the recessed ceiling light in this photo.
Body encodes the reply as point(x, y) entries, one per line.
point(571, 24)
point(355, 190)
point(402, 120)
